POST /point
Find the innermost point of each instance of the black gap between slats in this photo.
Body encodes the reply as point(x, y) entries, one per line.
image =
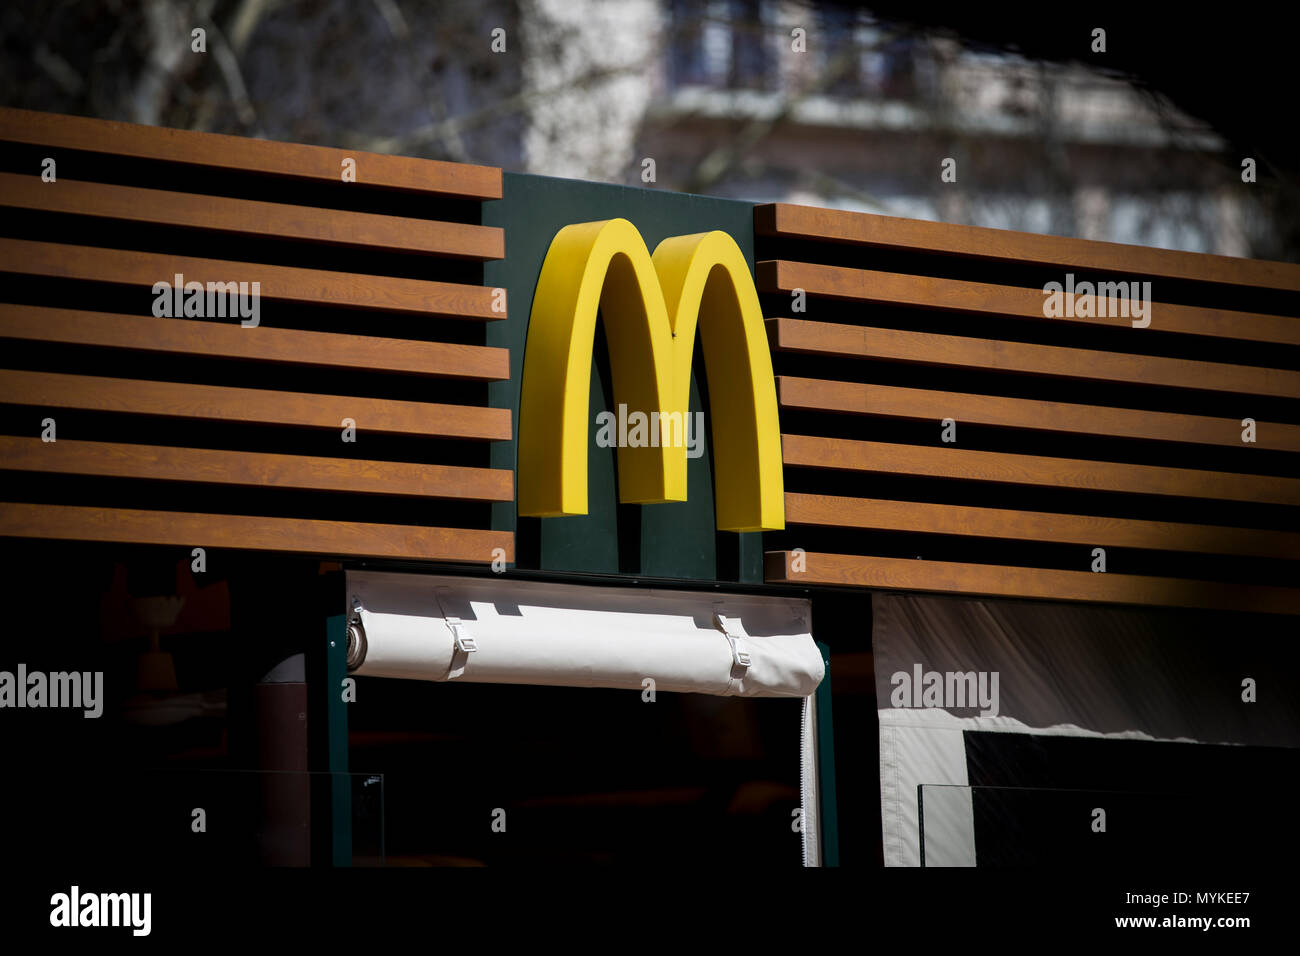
point(139, 300)
point(73, 164)
point(1238, 298)
point(41, 226)
point(1215, 404)
point(193, 497)
point(274, 376)
point(989, 494)
point(1039, 331)
point(1033, 554)
point(1246, 459)
point(74, 424)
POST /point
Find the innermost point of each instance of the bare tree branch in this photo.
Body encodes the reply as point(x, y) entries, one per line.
point(229, 66)
point(499, 108)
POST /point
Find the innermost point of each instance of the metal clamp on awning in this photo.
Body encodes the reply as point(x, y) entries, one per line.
point(739, 655)
point(460, 634)
point(463, 643)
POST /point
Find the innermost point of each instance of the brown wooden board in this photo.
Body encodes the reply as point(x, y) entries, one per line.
point(925, 518)
point(255, 470)
point(955, 351)
point(250, 218)
point(344, 539)
point(866, 229)
point(287, 283)
point(263, 344)
point(252, 405)
point(965, 464)
point(982, 298)
point(949, 577)
point(927, 404)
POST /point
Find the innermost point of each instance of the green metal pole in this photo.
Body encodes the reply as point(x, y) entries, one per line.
point(328, 720)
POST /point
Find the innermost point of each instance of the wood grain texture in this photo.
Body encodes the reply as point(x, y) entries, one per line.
point(954, 351)
point(247, 217)
point(262, 344)
point(982, 298)
point(343, 539)
point(951, 577)
point(218, 151)
point(255, 470)
point(866, 229)
point(836, 511)
point(883, 458)
point(252, 405)
point(250, 217)
point(286, 283)
point(930, 405)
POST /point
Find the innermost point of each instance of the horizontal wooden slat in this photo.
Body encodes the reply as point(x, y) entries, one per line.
point(922, 517)
point(218, 151)
point(348, 539)
point(925, 404)
point(249, 218)
point(924, 348)
point(255, 470)
point(252, 405)
point(866, 229)
point(1043, 583)
point(263, 344)
point(307, 286)
point(965, 464)
point(982, 298)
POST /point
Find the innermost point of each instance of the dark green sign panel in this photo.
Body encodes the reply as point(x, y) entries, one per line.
point(667, 541)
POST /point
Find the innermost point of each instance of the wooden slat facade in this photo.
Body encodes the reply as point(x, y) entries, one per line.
point(192, 430)
point(373, 309)
point(1035, 481)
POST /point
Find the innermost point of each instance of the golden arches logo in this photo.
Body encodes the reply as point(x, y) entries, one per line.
point(652, 307)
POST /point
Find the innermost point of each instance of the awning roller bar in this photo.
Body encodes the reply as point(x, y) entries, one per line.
point(438, 628)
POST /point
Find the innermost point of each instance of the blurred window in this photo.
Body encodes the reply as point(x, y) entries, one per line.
point(688, 59)
point(751, 62)
point(839, 63)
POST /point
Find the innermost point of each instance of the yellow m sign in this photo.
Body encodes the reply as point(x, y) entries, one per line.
point(651, 308)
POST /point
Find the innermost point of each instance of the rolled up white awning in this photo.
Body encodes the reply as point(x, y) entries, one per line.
point(440, 628)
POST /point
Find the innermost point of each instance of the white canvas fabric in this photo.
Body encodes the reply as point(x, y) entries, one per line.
point(527, 632)
point(921, 748)
point(1071, 670)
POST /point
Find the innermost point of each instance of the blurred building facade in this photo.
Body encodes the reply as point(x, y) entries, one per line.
point(812, 102)
point(824, 105)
